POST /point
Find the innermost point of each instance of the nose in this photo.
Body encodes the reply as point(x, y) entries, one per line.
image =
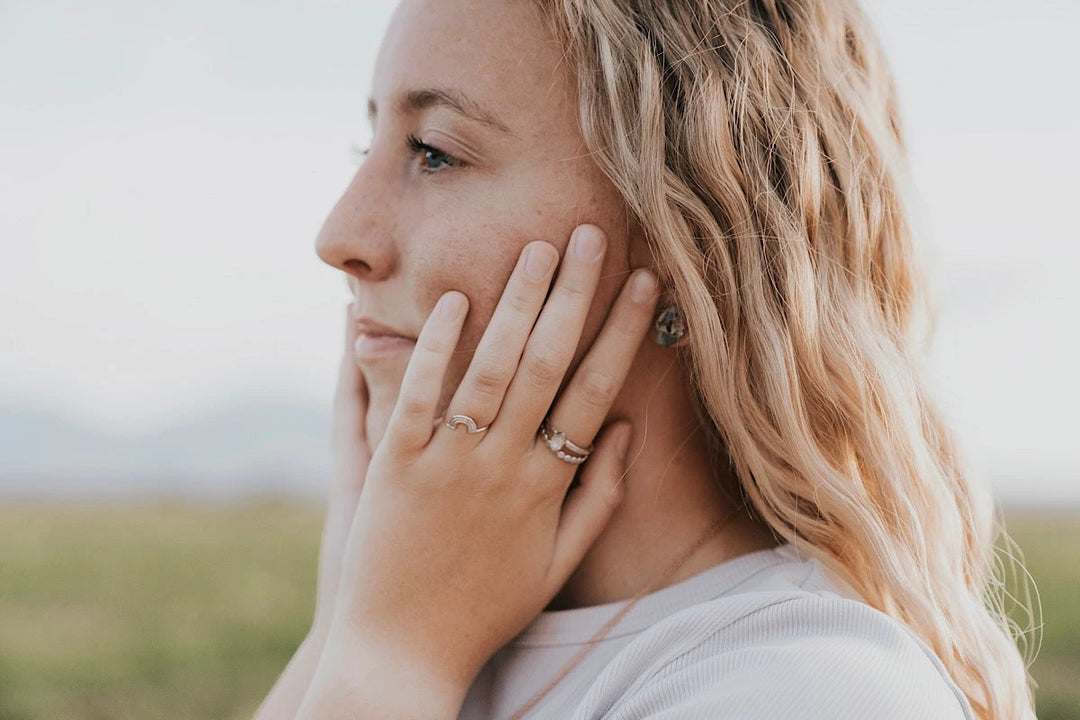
point(356, 236)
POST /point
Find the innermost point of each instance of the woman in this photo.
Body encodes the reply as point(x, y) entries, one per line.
point(755, 512)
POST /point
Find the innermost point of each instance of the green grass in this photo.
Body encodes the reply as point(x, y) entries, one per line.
point(168, 611)
point(1051, 548)
point(175, 610)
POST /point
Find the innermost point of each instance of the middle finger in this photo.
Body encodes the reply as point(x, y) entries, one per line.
point(555, 337)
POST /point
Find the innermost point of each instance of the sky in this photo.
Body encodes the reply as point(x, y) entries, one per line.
point(165, 168)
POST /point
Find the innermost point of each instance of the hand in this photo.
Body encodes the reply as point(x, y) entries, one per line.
point(351, 455)
point(460, 540)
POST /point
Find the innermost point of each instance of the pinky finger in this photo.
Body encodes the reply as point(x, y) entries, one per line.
point(410, 425)
point(589, 507)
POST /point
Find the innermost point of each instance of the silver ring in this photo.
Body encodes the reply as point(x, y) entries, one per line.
point(557, 442)
point(468, 422)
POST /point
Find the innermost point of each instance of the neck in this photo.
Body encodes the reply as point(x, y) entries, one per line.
point(674, 494)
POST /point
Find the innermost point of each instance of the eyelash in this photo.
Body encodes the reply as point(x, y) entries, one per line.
point(415, 146)
point(430, 152)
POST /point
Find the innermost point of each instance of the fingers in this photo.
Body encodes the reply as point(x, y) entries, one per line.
point(410, 424)
point(350, 397)
point(583, 406)
point(348, 372)
point(554, 339)
point(590, 505)
point(495, 361)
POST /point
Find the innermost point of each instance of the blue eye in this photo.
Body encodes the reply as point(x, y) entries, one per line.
point(433, 158)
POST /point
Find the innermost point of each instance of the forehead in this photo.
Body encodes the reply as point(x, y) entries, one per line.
point(499, 53)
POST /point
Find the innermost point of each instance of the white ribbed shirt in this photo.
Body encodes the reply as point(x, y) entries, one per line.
point(767, 635)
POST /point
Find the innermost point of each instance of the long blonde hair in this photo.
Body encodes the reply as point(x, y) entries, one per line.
point(757, 144)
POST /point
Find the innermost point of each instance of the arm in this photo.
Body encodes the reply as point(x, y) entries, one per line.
point(354, 681)
point(284, 699)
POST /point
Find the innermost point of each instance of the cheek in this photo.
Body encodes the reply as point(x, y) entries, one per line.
point(475, 247)
point(585, 196)
point(476, 259)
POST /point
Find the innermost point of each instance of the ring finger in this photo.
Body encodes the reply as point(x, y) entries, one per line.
point(583, 406)
point(555, 338)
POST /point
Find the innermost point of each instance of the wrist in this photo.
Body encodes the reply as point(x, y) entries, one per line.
point(319, 632)
point(357, 679)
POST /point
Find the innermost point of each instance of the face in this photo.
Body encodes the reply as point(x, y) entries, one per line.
point(475, 152)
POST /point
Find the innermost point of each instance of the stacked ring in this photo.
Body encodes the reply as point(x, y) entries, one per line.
point(558, 443)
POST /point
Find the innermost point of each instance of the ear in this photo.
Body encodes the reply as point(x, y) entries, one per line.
point(670, 326)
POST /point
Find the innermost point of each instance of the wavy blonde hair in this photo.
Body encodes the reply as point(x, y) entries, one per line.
point(757, 144)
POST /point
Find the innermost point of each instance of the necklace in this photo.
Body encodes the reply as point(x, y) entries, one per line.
point(710, 532)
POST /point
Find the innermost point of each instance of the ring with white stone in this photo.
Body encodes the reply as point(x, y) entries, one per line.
point(559, 444)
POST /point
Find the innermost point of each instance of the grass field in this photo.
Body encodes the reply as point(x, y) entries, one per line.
point(183, 611)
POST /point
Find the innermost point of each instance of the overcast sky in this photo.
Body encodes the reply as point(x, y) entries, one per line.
point(165, 166)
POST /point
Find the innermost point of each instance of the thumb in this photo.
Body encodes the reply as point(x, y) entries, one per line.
point(590, 505)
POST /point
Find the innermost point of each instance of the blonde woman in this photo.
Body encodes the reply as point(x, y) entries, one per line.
point(631, 421)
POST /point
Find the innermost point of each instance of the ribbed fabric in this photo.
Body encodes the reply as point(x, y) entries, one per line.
point(767, 635)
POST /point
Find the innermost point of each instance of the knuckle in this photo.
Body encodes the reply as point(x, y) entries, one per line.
point(598, 388)
point(522, 303)
point(412, 405)
point(574, 288)
point(490, 380)
point(544, 369)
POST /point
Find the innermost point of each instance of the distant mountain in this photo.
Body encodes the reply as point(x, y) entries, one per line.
point(248, 447)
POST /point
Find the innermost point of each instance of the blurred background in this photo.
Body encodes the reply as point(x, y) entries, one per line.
point(171, 339)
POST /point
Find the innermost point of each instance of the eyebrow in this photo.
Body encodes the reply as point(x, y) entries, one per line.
point(415, 101)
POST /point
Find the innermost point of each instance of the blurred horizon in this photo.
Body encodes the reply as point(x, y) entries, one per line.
point(244, 448)
point(166, 167)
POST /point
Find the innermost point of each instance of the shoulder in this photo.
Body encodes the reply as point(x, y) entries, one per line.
point(793, 648)
point(805, 655)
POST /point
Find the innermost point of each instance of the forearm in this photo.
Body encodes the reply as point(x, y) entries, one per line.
point(283, 701)
point(358, 683)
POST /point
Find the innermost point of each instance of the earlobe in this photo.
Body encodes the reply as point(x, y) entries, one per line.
point(670, 325)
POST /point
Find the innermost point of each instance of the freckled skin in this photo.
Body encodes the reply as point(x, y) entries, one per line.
point(421, 236)
point(406, 237)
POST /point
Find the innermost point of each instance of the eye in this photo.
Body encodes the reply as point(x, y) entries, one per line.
point(432, 158)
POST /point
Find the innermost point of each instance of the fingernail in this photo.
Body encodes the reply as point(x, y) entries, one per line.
point(451, 305)
point(537, 262)
point(643, 287)
point(588, 243)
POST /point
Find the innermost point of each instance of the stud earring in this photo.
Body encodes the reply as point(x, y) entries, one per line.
point(670, 326)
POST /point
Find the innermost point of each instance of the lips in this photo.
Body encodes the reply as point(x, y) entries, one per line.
point(375, 339)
